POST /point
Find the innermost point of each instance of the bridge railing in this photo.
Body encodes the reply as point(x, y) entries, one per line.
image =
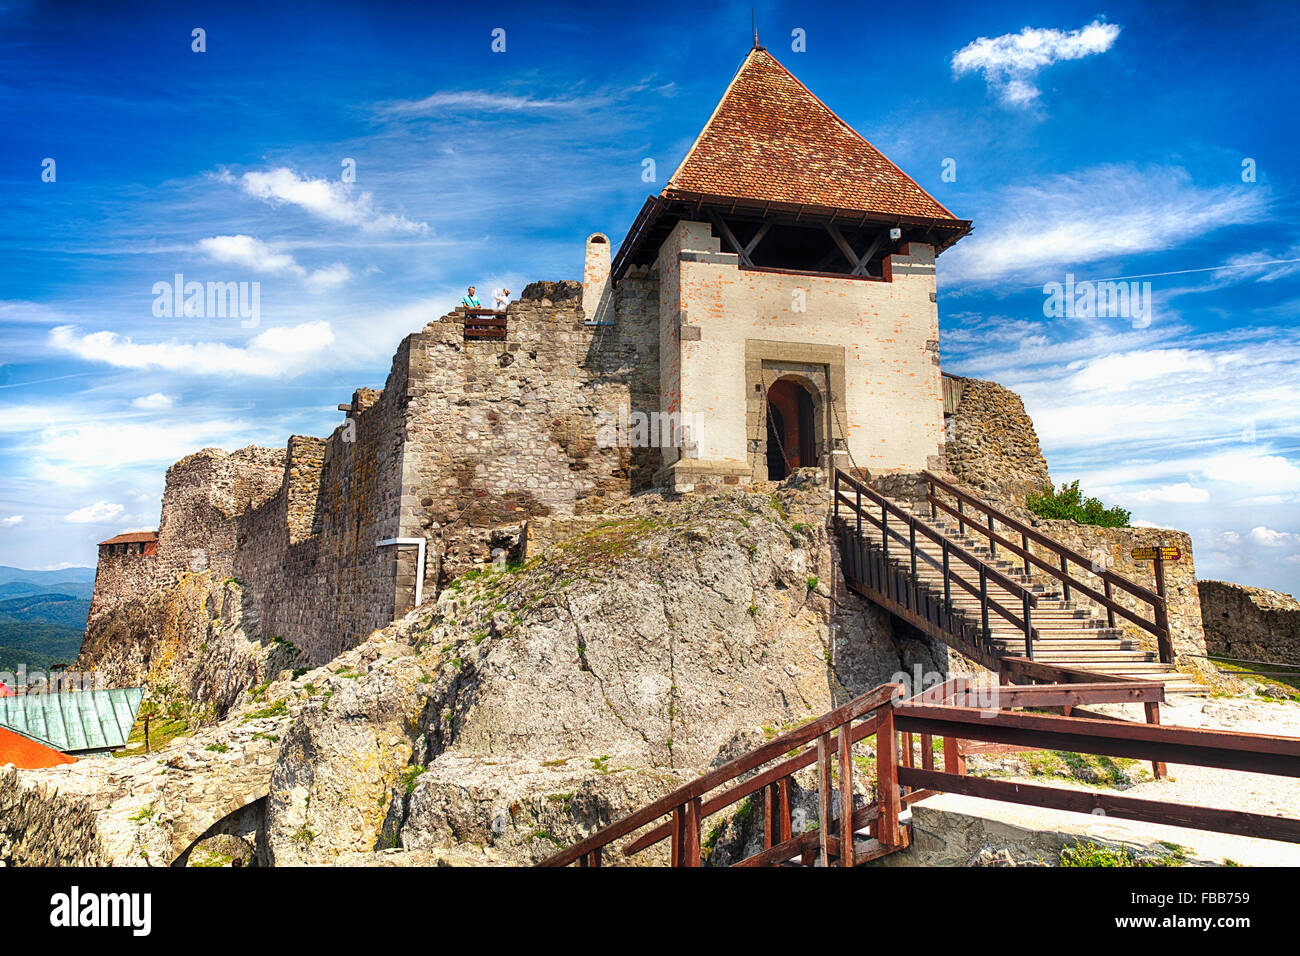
point(1065, 560)
point(943, 726)
point(831, 736)
point(865, 505)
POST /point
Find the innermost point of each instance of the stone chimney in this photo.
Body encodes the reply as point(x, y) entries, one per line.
point(597, 296)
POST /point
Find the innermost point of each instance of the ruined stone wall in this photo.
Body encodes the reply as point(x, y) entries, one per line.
point(1250, 624)
point(465, 442)
point(990, 442)
point(309, 556)
point(500, 432)
point(40, 828)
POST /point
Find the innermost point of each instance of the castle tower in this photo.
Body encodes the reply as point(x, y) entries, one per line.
point(797, 315)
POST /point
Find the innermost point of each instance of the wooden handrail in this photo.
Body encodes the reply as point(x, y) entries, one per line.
point(987, 573)
point(855, 709)
point(951, 712)
point(1137, 590)
point(1159, 628)
point(933, 534)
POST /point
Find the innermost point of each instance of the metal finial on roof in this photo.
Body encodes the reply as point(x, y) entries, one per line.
point(754, 23)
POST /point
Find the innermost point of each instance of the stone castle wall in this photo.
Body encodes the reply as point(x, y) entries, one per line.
point(501, 432)
point(206, 494)
point(1250, 624)
point(990, 442)
point(466, 441)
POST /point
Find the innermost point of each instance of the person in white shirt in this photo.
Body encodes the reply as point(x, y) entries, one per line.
point(502, 297)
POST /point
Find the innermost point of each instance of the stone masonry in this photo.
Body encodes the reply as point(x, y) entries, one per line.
point(1250, 624)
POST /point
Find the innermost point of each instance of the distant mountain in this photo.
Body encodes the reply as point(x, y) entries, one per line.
point(80, 589)
point(42, 615)
point(46, 578)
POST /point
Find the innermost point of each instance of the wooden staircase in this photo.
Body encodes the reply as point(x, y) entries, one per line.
point(962, 578)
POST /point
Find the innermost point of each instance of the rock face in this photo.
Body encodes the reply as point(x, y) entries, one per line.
point(1250, 623)
point(990, 442)
point(192, 641)
point(533, 704)
point(522, 709)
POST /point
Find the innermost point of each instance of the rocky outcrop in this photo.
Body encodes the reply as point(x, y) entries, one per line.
point(194, 641)
point(538, 702)
point(526, 706)
point(1250, 624)
point(38, 827)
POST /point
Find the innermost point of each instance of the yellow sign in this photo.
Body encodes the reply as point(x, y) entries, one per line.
point(1149, 554)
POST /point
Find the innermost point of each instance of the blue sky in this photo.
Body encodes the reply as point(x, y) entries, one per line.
point(1093, 141)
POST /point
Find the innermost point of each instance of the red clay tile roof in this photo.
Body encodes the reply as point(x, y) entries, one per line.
point(26, 754)
point(131, 537)
point(771, 140)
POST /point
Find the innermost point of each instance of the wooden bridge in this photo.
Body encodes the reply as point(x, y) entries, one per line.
point(921, 745)
point(990, 586)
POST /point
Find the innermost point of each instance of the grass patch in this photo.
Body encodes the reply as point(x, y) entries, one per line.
point(1091, 854)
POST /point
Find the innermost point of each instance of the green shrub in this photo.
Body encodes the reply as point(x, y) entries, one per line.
point(1070, 503)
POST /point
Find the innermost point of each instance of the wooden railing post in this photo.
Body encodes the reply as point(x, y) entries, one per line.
point(1162, 612)
point(984, 600)
point(993, 545)
point(930, 498)
point(1153, 717)
point(1024, 545)
point(823, 798)
point(884, 531)
point(1065, 581)
point(858, 489)
point(846, 795)
point(947, 582)
point(691, 845)
point(835, 491)
point(1110, 611)
point(1029, 629)
point(678, 836)
point(887, 799)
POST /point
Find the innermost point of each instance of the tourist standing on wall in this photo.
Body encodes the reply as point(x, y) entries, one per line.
point(470, 300)
point(502, 297)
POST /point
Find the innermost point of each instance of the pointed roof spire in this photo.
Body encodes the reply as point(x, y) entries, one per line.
point(771, 141)
point(754, 23)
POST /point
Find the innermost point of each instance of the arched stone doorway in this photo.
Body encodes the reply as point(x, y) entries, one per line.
point(792, 432)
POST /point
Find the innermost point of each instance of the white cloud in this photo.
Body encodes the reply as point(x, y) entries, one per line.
point(1009, 63)
point(1180, 493)
point(325, 199)
point(262, 257)
point(155, 402)
point(1271, 473)
point(92, 514)
point(330, 277)
point(1054, 226)
point(480, 101)
point(275, 352)
point(10, 521)
point(1269, 538)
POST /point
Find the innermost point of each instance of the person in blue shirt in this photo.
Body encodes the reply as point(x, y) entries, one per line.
point(470, 300)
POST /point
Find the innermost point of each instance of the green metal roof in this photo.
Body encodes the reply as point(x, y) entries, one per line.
point(73, 722)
